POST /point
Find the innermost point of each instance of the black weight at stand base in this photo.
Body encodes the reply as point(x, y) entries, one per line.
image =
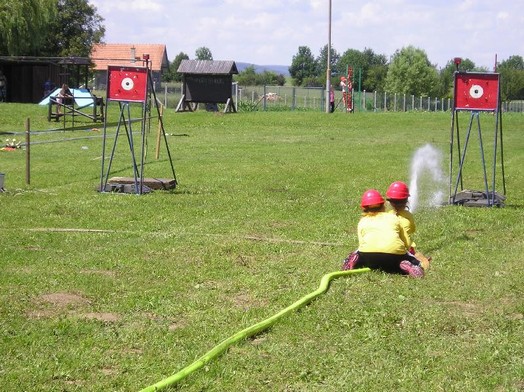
point(153, 183)
point(469, 198)
point(124, 188)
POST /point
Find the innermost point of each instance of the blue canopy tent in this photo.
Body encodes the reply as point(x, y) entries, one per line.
point(81, 99)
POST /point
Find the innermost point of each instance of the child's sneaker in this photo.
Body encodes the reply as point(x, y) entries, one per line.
point(350, 262)
point(415, 271)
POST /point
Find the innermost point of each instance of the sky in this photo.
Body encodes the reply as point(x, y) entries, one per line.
point(269, 32)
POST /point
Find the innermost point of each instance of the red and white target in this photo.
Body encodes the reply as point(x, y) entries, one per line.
point(476, 91)
point(127, 83)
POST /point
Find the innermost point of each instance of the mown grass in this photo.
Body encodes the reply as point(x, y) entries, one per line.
point(117, 292)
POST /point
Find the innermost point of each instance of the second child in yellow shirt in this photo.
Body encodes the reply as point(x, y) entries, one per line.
point(383, 240)
point(398, 197)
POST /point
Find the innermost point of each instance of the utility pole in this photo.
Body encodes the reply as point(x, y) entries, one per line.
point(328, 68)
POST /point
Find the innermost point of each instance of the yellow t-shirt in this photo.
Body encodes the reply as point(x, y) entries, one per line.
point(408, 223)
point(382, 232)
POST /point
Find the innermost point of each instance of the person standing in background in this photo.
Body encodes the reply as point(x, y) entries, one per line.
point(331, 99)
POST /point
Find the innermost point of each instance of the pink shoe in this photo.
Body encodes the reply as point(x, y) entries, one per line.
point(415, 271)
point(350, 262)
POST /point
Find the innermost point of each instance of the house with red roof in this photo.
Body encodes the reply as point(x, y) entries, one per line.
point(128, 55)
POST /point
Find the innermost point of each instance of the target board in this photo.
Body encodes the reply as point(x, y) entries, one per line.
point(476, 91)
point(127, 83)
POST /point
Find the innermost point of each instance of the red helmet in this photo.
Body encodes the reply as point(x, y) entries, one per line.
point(398, 191)
point(371, 197)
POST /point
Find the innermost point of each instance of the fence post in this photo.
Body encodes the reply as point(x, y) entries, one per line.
point(265, 103)
point(27, 151)
point(413, 102)
point(375, 101)
point(385, 100)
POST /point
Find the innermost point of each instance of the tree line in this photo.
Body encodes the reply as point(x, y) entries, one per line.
point(64, 28)
point(409, 71)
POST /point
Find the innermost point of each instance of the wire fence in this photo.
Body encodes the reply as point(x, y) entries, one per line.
point(281, 98)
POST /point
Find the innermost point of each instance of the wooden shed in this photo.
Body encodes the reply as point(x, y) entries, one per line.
point(26, 76)
point(207, 81)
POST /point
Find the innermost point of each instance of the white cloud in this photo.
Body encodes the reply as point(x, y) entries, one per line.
point(270, 31)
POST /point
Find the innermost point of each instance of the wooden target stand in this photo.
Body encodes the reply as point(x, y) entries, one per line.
point(133, 86)
point(476, 93)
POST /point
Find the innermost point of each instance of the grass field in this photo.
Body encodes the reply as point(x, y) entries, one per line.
point(116, 292)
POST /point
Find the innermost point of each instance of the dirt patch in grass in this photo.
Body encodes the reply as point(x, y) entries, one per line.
point(62, 300)
point(476, 309)
point(109, 371)
point(246, 302)
point(466, 308)
point(104, 317)
point(55, 304)
point(177, 325)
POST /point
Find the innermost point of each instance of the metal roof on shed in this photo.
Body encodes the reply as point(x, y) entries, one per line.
point(207, 67)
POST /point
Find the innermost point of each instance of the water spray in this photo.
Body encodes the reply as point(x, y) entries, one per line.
point(427, 161)
point(250, 331)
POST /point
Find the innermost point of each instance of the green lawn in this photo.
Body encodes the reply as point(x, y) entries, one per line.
point(102, 291)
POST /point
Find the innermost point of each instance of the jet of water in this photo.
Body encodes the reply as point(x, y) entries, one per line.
point(427, 179)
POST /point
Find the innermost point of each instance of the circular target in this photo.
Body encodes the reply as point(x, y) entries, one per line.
point(476, 91)
point(127, 84)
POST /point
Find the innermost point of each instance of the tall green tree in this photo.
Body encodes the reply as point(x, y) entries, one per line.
point(375, 78)
point(446, 76)
point(322, 61)
point(75, 29)
point(512, 78)
point(24, 26)
point(369, 66)
point(304, 67)
point(351, 58)
point(173, 75)
point(203, 53)
point(410, 72)
point(375, 70)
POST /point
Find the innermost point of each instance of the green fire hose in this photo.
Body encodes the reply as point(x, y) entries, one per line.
point(250, 331)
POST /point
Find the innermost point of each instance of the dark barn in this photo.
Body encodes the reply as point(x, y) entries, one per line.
point(207, 81)
point(25, 76)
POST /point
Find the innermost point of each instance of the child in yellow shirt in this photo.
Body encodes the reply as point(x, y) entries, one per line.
point(383, 240)
point(398, 196)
